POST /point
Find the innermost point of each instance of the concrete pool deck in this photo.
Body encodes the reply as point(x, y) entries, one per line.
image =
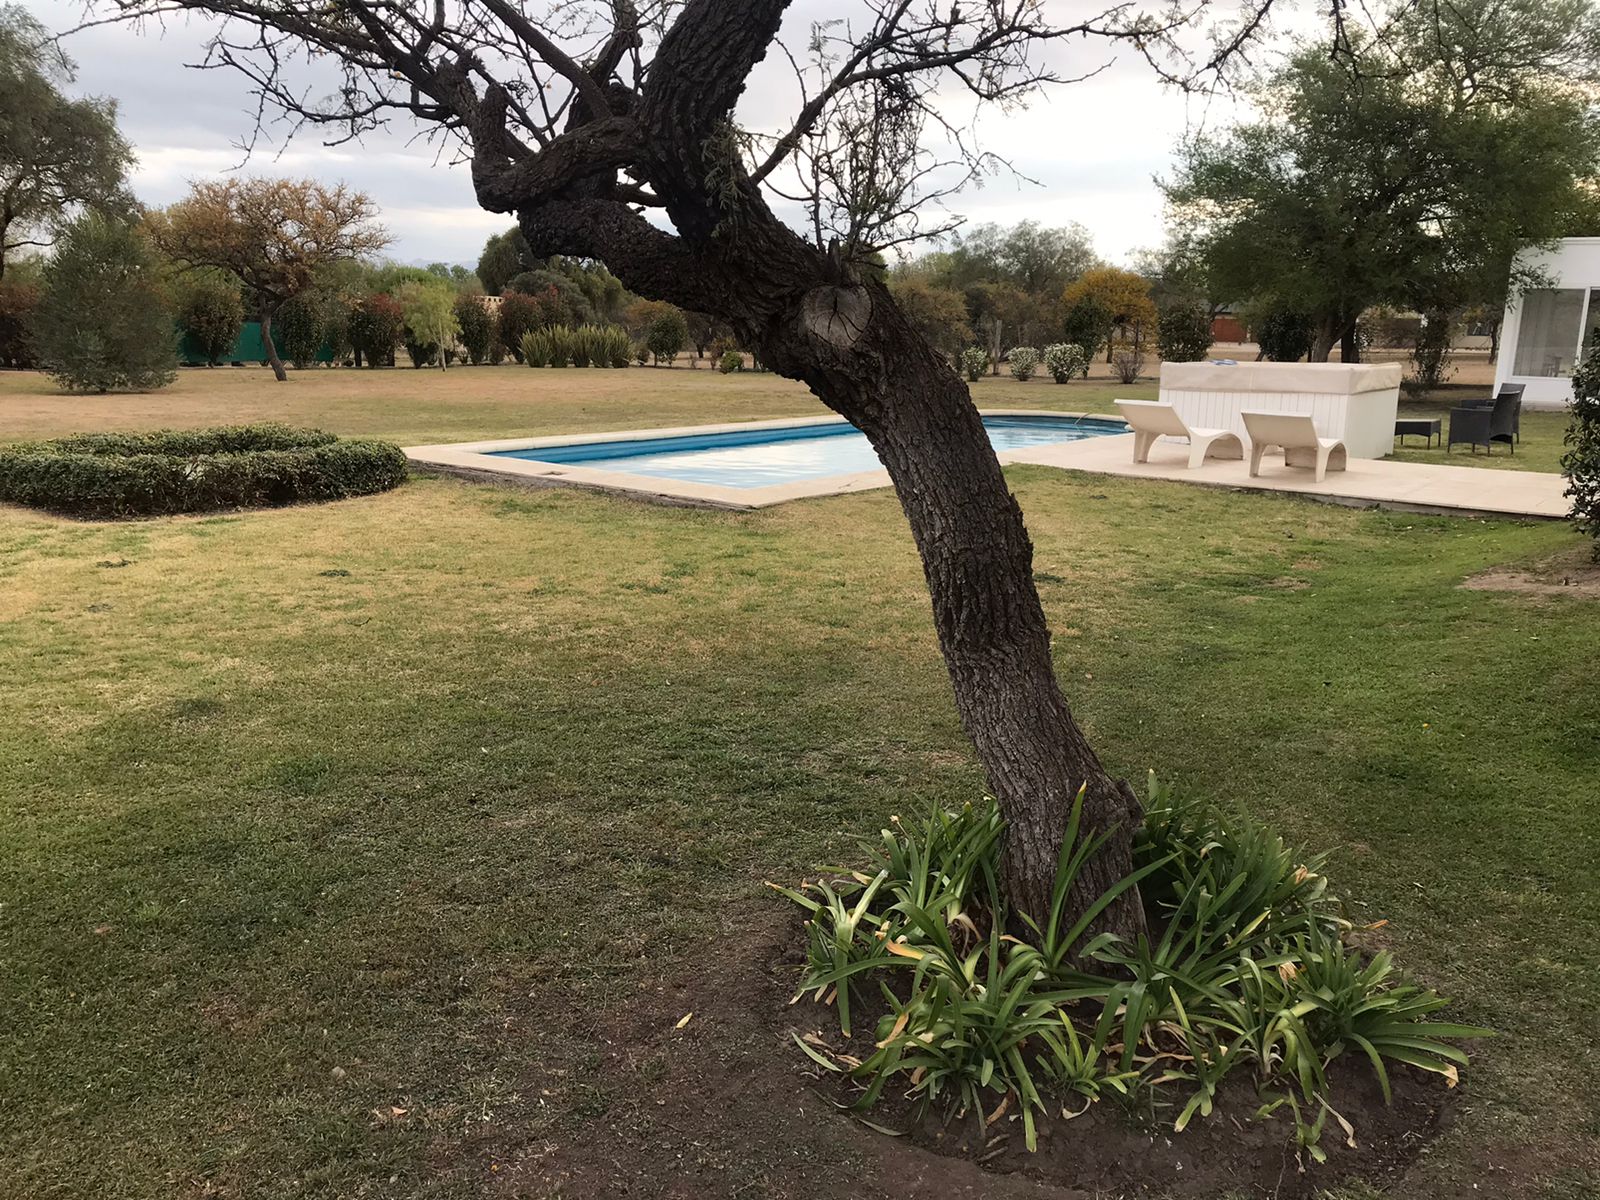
point(1410, 487)
point(1365, 483)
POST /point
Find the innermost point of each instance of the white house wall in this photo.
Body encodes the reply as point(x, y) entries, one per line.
point(1573, 263)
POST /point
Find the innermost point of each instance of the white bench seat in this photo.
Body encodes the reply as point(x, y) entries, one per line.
point(1151, 419)
point(1296, 435)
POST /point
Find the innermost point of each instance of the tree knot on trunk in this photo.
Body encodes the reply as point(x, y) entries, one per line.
point(836, 316)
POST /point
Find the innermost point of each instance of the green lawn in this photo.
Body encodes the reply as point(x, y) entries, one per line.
point(340, 840)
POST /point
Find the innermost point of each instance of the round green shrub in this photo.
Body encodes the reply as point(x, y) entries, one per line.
point(730, 362)
point(1065, 361)
point(196, 470)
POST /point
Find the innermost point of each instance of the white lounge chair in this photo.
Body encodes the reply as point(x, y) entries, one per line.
point(1151, 419)
point(1296, 435)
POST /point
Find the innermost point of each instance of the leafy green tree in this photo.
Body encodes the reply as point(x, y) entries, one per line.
point(1039, 260)
point(572, 306)
point(519, 314)
point(1124, 295)
point(376, 326)
point(58, 157)
point(669, 334)
point(103, 320)
point(1087, 323)
point(211, 313)
point(477, 326)
point(300, 328)
point(504, 256)
point(1283, 334)
point(276, 236)
point(455, 274)
point(1179, 275)
point(1407, 169)
point(1183, 334)
point(336, 312)
point(431, 325)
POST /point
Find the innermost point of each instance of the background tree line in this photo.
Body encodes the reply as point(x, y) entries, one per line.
point(1404, 173)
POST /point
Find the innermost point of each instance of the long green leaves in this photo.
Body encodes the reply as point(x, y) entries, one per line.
point(1244, 968)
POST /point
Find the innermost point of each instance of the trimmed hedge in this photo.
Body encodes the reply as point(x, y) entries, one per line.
point(184, 471)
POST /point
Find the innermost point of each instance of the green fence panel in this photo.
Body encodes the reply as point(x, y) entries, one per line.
point(249, 349)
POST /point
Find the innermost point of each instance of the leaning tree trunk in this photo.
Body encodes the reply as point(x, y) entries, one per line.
point(866, 362)
point(810, 314)
point(273, 360)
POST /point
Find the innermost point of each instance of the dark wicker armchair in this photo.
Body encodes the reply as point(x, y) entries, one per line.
point(1486, 422)
point(1514, 389)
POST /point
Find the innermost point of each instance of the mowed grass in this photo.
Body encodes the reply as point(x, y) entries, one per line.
point(475, 403)
point(471, 403)
point(333, 833)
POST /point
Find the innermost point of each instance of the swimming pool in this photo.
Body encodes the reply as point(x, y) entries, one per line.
point(764, 457)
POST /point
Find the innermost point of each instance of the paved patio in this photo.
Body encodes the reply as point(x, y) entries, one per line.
point(1411, 487)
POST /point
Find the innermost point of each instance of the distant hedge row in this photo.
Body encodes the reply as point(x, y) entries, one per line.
point(183, 471)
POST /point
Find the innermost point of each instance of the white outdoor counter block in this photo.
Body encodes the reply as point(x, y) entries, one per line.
point(1355, 402)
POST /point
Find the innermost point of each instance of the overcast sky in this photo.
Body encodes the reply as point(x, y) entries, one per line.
point(1093, 146)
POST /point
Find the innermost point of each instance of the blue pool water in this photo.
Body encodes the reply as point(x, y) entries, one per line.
point(762, 457)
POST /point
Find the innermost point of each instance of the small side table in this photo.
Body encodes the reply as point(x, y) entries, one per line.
point(1428, 427)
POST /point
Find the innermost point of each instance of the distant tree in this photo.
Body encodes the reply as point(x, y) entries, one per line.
point(519, 314)
point(1001, 315)
point(1125, 295)
point(641, 314)
point(273, 235)
point(477, 326)
point(1039, 260)
point(211, 312)
point(668, 335)
point(300, 328)
point(1283, 335)
point(1407, 169)
point(336, 312)
point(1430, 354)
point(1179, 275)
point(571, 306)
point(705, 331)
point(504, 255)
point(1087, 323)
point(430, 318)
point(376, 326)
point(454, 274)
point(938, 313)
point(389, 276)
point(103, 320)
point(58, 157)
point(1183, 333)
point(18, 302)
point(604, 291)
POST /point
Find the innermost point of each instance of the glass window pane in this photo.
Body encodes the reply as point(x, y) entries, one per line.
point(1547, 338)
